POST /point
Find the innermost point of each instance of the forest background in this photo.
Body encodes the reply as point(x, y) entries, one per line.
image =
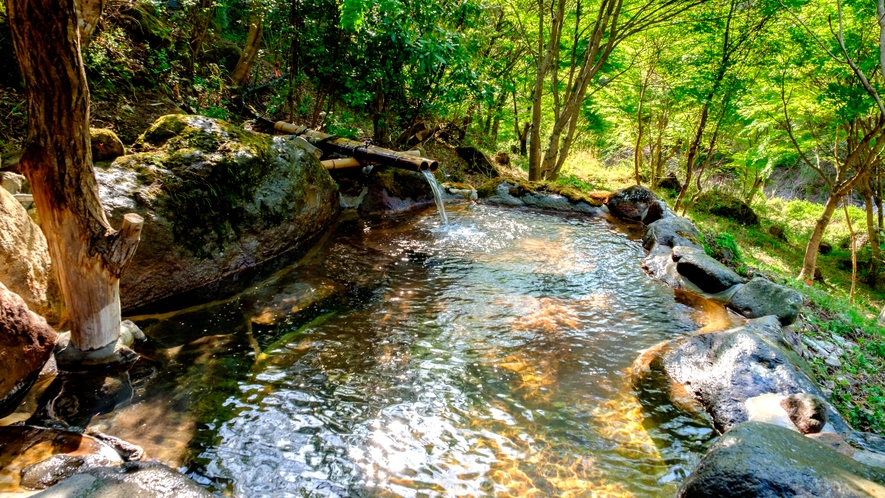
point(720, 107)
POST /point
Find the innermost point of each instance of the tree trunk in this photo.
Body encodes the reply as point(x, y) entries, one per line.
point(240, 76)
point(872, 232)
point(202, 19)
point(87, 253)
point(693, 152)
point(88, 14)
point(810, 261)
point(553, 174)
point(523, 139)
point(551, 53)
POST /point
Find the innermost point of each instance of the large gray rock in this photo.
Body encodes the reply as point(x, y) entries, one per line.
point(703, 271)
point(722, 370)
point(764, 460)
point(25, 267)
point(26, 344)
point(631, 203)
point(395, 190)
point(657, 210)
point(672, 231)
point(216, 200)
point(517, 193)
point(759, 298)
point(14, 183)
point(130, 480)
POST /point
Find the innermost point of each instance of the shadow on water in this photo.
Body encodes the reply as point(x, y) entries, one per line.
point(408, 358)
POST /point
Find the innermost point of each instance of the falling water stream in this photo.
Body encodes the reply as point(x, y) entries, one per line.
point(407, 357)
point(437, 195)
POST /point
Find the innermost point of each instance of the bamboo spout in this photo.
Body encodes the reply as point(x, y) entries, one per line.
point(348, 162)
point(359, 151)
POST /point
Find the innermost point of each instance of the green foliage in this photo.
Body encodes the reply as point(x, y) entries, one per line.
point(721, 246)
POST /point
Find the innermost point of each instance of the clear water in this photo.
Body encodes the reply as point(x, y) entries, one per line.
point(409, 358)
point(437, 196)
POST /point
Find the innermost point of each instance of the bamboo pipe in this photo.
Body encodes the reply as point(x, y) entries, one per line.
point(358, 150)
point(347, 162)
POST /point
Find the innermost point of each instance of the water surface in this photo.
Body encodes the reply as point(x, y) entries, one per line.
point(408, 358)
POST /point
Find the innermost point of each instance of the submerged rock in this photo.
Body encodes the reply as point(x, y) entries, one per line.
point(36, 458)
point(26, 344)
point(216, 200)
point(631, 202)
point(757, 459)
point(807, 412)
point(722, 370)
point(25, 267)
point(130, 480)
point(760, 298)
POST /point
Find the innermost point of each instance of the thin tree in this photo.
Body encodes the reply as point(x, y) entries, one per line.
point(240, 75)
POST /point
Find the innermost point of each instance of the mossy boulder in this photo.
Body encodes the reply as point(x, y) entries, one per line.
point(216, 200)
point(727, 206)
point(757, 459)
point(671, 232)
point(705, 272)
point(761, 297)
point(105, 144)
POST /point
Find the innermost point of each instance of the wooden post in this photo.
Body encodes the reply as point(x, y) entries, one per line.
point(87, 253)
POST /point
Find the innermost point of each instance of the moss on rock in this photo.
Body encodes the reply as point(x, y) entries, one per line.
point(524, 187)
point(216, 200)
point(105, 144)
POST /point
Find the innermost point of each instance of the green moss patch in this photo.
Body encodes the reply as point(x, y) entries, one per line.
point(215, 170)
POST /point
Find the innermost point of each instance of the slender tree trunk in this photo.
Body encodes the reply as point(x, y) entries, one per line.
point(240, 76)
point(872, 232)
point(202, 18)
point(87, 253)
point(810, 261)
point(544, 62)
point(523, 139)
point(563, 153)
point(852, 237)
point(293, 96)
point(693, 152)
point(88, 14)
point(637, 152)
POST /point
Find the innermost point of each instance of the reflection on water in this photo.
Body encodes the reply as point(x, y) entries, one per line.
point(408, 358)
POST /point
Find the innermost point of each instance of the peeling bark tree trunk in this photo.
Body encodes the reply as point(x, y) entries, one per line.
point(250, 52)
point(88, 14)
point(87, 253)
